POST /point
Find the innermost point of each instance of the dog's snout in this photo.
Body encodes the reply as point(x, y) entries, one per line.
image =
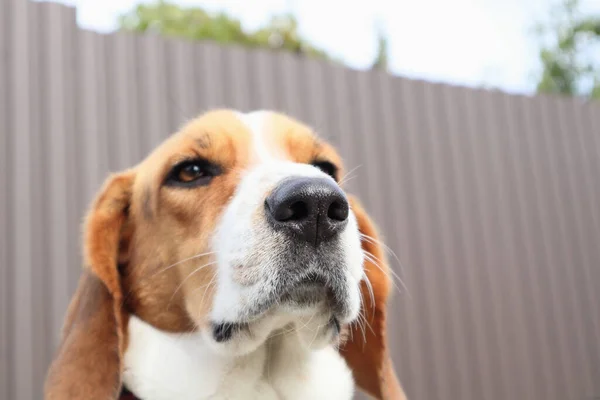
point(312, 209)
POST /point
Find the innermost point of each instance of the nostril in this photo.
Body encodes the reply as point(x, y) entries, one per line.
point(294, 211)
point(299, 211)
point(338, 211)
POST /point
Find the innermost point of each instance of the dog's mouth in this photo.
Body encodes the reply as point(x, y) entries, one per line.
point(224, 331)
point(320, 291)
point(296, 296)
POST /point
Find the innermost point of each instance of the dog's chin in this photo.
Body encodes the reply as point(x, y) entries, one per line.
point(310, 309)
point(304, 299)
point(312, 328)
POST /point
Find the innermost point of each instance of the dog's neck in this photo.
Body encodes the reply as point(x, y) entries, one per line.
point(160, 365)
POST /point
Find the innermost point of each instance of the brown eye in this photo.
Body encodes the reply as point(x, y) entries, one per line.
point(192, 173)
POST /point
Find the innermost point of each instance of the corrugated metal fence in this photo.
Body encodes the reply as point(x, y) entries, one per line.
point(491, 201)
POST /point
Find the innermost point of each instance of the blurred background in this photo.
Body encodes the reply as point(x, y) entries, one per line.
point(471, 126)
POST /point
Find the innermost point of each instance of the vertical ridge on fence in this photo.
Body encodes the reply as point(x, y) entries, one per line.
point(395, 202)
point(512, 170)
point(591, 138)
point(5, 205)
point(260, 68)
point(532, 281)
point(572, 223)
point(212, 83)
point(481, 314)
point(418, 387)
point(437, 139)
point(56, 121)
point(464, 355)
point(488, 201)
point(587, 218)
point(22, 305)
point(558, 239)
point(183, 83)
point(38, 164)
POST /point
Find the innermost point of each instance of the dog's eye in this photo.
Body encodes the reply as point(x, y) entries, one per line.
point(326, 167)
point(191, 173)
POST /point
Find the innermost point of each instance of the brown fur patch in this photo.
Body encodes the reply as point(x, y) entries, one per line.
point(175, 298)
point(203, 141)
point(87, 365)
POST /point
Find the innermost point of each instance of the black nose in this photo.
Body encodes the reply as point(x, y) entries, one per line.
point(312, 209)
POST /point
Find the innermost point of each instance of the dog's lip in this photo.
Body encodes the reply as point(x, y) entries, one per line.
point(310, 280)
point(307, 291)
point(224, 331)
point(311, 288)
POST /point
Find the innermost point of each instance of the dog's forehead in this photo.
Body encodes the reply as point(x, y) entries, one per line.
point(256, 136)
point(277, 137)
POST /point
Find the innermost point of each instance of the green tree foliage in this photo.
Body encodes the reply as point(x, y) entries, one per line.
point(570, 58)
point(382, 58)
point(168, 19)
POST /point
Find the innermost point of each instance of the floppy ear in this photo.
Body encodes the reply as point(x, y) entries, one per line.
point(88, 362)
point(367, 351)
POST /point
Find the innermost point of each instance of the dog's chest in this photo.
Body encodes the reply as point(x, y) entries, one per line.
point(161, 366)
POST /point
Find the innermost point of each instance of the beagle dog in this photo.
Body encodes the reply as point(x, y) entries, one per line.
point(229, 264)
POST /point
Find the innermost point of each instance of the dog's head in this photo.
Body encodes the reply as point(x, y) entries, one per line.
point(236, 227)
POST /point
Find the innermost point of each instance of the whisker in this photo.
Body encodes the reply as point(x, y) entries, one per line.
point(309, 320)
point(191, 258)
point(315, 337)
point(371, 293)
point(184, 260)
point(294, 328)
point(361, 319)
point(370, 327)
point(143, 279)
point(189, 275)
point(366, 321)
point(374, 260)
point(382, 244)
point(388, 249)
point(267, 355)
point(200, 287)
point(282, 332)
point(345, 177)
point(208, 287)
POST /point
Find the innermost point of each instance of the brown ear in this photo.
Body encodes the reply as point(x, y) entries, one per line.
point(366, 352)
point(88, 362)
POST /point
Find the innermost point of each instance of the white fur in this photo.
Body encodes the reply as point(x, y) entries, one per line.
point(257, 123)
point(165, 366)
point(285, 354)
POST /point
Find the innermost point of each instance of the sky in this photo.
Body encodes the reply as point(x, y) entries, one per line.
point(463, 42)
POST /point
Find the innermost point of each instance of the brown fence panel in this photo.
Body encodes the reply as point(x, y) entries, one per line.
point(489, 202)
